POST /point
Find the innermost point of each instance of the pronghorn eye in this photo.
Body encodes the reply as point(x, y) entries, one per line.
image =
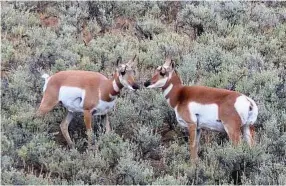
point(122, 73)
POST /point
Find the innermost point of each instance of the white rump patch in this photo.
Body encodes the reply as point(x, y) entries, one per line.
point(72, 98)
point(207, 115)
point(252, 115)
point(242, 106)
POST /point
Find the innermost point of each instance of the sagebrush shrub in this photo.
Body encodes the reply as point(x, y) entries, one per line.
point(233, 45)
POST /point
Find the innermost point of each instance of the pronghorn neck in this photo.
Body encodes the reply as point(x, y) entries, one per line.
point(111, 88)
point(116, 85)
point(171, 88)
point(174, 80)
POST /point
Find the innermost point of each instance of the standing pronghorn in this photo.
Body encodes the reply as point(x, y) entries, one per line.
point(198, 107)
point(85, 91)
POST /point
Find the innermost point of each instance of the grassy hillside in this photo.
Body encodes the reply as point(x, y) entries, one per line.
point(233, 45)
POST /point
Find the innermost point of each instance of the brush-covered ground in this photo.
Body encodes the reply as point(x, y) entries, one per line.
point(233, 45)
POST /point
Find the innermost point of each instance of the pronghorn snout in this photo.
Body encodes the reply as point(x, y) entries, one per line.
point(147, 83)
point(135, 86)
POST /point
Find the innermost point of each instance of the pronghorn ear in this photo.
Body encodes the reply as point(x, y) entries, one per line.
point(172, 66)
point(122, 69)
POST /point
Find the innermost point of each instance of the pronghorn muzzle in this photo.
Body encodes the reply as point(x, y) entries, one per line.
point(147, 83)
point(135, 86)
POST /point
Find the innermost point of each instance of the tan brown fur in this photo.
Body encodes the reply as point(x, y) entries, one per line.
point(49, 21)
point(86, 34)
point(179, 97)
point(97, 87)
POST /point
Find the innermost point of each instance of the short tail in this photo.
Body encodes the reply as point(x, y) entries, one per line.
point(45, 76)
point(253, 112)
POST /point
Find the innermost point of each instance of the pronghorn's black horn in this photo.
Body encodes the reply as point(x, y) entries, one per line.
point(119, 59)
point(132, 61)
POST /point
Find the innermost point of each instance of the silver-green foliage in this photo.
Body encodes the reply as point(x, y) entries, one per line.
point(242, 47)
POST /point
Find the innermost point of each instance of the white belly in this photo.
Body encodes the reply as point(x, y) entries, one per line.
point(210, 124)
point(103, 107)
point(72, 98)
point(204, 115)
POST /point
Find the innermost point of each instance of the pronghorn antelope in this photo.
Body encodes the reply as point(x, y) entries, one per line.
point(90, 93)
point(199, 107)
point(86, 34)
point(49, 21)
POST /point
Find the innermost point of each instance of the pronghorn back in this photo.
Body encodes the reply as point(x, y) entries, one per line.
point(227, 102)
point(76, 78)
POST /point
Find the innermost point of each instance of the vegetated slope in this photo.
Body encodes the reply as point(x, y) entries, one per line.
point(233, 45)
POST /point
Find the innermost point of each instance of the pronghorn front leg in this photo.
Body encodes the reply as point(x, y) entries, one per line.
point(87, 120)
point(65, 128)
point(193, 140)
point(107, 124)
point(189, 120)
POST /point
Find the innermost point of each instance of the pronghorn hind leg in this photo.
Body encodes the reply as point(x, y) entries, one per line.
point(88, 120)
point(252, 132)
point(65, 126)
point(233, 131)
point(198, 136)
point(248, 134)
point(198, 132)
point(47, 104)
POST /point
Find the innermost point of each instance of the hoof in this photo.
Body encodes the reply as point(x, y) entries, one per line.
point(93, 147)
point(71, 145)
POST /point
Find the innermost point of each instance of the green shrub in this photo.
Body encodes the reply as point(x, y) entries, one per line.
point(232, 45)
point(170, 180)
point(16, 177)
point(129, 171)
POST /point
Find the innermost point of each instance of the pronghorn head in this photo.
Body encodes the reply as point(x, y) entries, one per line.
point(126, 74)
point(161, 75)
